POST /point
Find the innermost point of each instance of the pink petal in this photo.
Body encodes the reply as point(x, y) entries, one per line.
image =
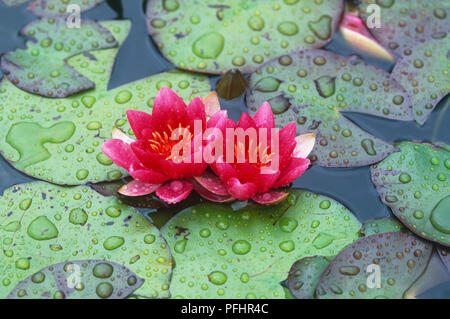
point(270, 197)
point(266, 181)
point(139, 121)
point(148, 158)
point(241, 191)
point(168, 109)
point(174, 191)
point(246, 122)
point(212, 104)
point(295, 168)
point(206, 194)
point(182, 170)
point(305, 144)
point(224, 170)
point(118, 134)
point(148, 176)
point(212, 183)
point(137, 188)
point(286, 143)
point(264, 116)
point(217, 118)
point(120, 153)
point(196, 111)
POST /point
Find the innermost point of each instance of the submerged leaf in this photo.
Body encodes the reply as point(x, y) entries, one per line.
point(314, 87)
point(59, 140)
point(304, 276)
point(216, 248)
point(405, 23)
point(382, 225)
point(396, 259)
point(423, 72)
point(48, 224)
point(209, 37)
point(82, 279)
point(41, 68)
point(231, 85)
point(414, 184)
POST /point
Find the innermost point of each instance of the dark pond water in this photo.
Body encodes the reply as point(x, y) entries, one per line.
point(139, 58)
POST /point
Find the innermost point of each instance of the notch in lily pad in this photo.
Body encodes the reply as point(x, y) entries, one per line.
point(81, 279)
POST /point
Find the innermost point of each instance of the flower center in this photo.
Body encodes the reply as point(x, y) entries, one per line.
point(252, 154)
point(162, 142)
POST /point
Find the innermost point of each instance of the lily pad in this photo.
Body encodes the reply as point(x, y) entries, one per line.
point(245, 253)
point(54, 7)
point(213, 37)
point(382, 225)
point(304, 276)
point(423, 72)
point(444, 254)
point(41, 68)
point(398, 258)
point(59, 140)
point(405, 23)
point(414, 184)
point(83, 279)
point(43, 224)
point(313, 88)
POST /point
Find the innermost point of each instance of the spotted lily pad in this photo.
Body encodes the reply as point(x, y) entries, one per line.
point(405, 23)
point(82, 279)
point(398, 258)
point(414, 184)
point(213, 37)
point(41, 68)
point(304, 276)
point(424, 72)
point(382, 225)
point(54, 7)
point(444, 254)
point(42, 224)
point(59, 140)
point(313, 88)
point(245, 253)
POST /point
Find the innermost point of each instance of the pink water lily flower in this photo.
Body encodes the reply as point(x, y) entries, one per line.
point(246, 180)
point(148, 159)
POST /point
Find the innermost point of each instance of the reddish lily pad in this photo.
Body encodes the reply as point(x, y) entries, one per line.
point(42, 224)
point(59, 140)
point(414, 184)
point(212, 183)
point(212, 37)
point(405, 23)
point(423, 72)
point(304, 276)
point(313, 87)
point(398, 258)
point(81, 279)
point(41, 68)
point(382, 225)
point(216, 247)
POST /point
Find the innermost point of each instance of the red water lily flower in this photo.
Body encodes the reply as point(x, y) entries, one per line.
point(148, 159)
point(248, 179)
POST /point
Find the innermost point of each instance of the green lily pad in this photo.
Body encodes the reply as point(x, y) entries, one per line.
point(41, 68)
point(82, 279)
point(245, 253)
point(54, 7)
point(414, 184)
point(304, 276)
point(313, 88)
point(405, 23)
point(214, 37)
point(399, 259)
point(382, 225)
point(423, 72)
point(44, 224)
point(59, 140)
